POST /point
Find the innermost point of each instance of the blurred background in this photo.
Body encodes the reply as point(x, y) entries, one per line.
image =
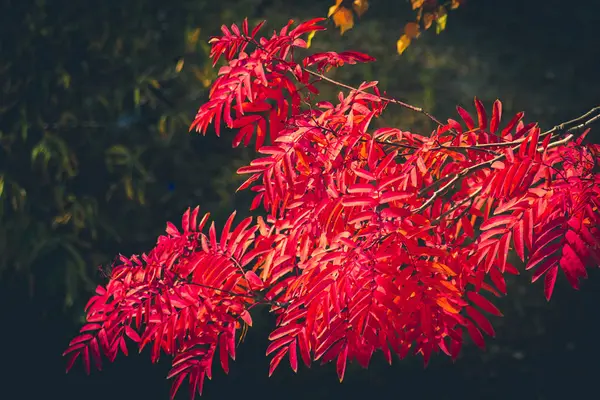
point(95, 102)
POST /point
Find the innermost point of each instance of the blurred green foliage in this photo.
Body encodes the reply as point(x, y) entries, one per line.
point(94, 108)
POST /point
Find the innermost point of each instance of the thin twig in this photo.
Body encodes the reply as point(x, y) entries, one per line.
point(388, 99)
point(565, 126)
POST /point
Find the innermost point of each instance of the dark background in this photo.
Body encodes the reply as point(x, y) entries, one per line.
point(80, 78)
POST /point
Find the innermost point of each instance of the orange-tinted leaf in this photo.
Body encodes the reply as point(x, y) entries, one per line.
point(445, 305)
point(342, 17)
point(360, 7)
point(428, 20)
point(417, 4)
point(411, 30)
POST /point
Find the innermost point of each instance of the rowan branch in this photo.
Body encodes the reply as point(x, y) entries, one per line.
point(573, 125)
point(582, 122)
point(475, 167)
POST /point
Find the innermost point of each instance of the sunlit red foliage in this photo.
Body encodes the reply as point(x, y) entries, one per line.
point(374, 239)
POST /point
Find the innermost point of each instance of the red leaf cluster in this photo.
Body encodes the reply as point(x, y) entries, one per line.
point(374, 240)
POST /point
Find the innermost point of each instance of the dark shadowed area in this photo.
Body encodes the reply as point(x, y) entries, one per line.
point(95, 157)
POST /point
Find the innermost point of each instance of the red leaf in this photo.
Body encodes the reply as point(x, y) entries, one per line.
point(133, 335)
point(466, 117)
point(549, 282)
point(85, 356)
point(467, 227)
point(497, 221)
point(503, 250)
point(388, 197)
point(544, 267)
point(483, 303)
point(223, 353)
point(341, 363)
point(483, 323)
point(276, 360)
point(287, 330)
point(71, 360)
point(496, 116)
point(481, 114)
point(476, 335)
point(359, 201)
point(293, 356)
point(519, 240)
point(254, 281)
point(512, 123)
point(279, 343)
point(361, 188)
point(498, 280)
point(572, 266)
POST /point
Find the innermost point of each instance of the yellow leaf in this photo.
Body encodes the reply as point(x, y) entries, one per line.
point(66, 80)
point(136, 96)
point(334, 8)
point(402, 43)
point(417, 4)
point(62, 219)
point(162, 125)
point(360, 7)
point(412, 30)
point(310, 38)
point(198, 72)
point(192, 39)
point(455, 4)
point(141, 197)
point(342, 17)
point(179, 65)
point(427, 20)
point(128, 187)
point(442, 18)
